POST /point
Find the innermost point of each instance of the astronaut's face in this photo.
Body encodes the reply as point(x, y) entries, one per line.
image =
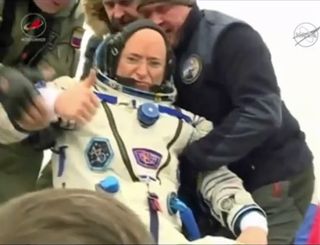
point(120, 12)
point(170, 17)
point(143, 59)
point(52, 6)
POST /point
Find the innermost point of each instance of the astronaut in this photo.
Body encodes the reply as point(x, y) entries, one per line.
point(130, 147)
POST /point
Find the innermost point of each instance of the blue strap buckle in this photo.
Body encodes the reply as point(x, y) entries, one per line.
point(177, 205)
point(187, 218)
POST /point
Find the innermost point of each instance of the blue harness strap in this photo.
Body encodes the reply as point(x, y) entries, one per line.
point(107, 98)
point(187, 218)
point(174, 112)
point(162, 109)
point(62, 159)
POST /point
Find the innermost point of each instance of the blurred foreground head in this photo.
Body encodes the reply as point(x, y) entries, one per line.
point(69, 216)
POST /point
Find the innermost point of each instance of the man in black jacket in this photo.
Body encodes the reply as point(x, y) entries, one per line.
point(224, 73)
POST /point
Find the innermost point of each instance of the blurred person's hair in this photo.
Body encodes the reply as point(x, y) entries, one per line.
point(70, 216)
point(95, 16)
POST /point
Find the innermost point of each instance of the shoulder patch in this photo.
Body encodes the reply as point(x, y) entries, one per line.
point(191, 69)
point(147, 158)
point(33, 25)
point(76, 37)
point(99, 154)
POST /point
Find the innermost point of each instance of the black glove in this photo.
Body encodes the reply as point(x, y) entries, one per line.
point(16, 92)
point(33, 74)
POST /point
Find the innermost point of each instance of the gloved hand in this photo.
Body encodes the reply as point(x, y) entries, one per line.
point(33, 74)
point(20, 99)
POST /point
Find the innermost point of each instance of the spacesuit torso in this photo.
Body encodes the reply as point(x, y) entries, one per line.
point(116, 145)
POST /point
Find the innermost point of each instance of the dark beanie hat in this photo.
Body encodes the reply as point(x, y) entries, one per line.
point(182, 2)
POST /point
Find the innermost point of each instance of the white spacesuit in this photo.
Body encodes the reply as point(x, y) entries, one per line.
point(130, 149)
point(122, 153)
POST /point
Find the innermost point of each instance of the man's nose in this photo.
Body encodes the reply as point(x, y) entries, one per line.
point(142, 70)
point(118, 11)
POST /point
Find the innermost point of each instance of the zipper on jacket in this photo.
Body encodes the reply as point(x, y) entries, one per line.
point(174, 139)
point(122, 147)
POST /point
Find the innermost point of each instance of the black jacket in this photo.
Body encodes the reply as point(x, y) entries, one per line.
point(233, 84)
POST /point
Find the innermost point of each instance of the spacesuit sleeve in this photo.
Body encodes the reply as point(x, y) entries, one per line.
point(224, 194)
point(201, 126)
point(51, 92)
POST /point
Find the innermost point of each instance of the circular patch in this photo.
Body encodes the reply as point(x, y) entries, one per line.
point(33, 25)
point(306, 34)
point(191, 69)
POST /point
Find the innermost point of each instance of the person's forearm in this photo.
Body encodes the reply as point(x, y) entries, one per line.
point(229, 202)
point(9, 134)
point(240, 132)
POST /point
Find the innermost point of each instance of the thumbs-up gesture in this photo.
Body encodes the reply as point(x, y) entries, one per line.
point(78, 103)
